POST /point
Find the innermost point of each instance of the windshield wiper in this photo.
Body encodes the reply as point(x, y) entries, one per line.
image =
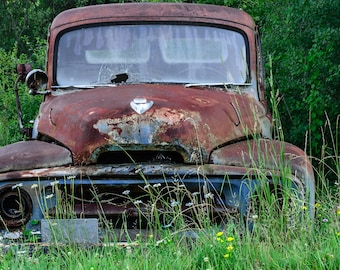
point(82, 86)
point(226, 84)
point(119, 78)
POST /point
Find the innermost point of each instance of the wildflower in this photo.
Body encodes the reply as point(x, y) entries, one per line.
point(138, 170)
point(304, 208)
point(230, 239)
point(71, 177)
point(17, 186)
point(219, 239)
point(227, 255)
point(338, 234)
point(195, 193)
point(206, 259)
point(209, 196)
point(317, 205)
point(54, 183)
point(189, 204)
point(230, 248)
point(128, 250)
point(255, 216)
point(174, 203)
point(50, 196)
point(34, 186)
point(219, 234)
point(146, 186)
point(138, 202)
point(338, 212)
point(126, 192)
point(325, 220)
point(157, 185)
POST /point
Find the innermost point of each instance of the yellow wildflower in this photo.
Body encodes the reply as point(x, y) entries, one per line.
point(219, 234)
point(219, 239)
point(227, 255)
point(230, 248)
point(304, 208)
point(317, 205)
point(230, 239)
point(338, 212)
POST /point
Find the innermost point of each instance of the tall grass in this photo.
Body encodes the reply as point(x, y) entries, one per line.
point(275, 242)
point(267, 247)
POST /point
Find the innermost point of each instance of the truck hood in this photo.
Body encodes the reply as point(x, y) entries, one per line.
point(191, 121)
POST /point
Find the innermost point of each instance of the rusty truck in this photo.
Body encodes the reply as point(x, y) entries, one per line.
point(141, 98)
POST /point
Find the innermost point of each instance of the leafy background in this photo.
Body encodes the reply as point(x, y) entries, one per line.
point(301, 38)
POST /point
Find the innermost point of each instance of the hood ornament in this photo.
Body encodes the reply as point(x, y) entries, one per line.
point(141, 105)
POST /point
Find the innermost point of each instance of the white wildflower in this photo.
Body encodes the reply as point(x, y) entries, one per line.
point(138, 170)
point(138, 202)
point(126, 192)
point(50, 196)
point(146, 186)
point(157, 185)
point(17, 185)
point(189, 204)
point(34, 186)
point(174, 203)
point(209, 196)
point(54, 183)
point(195, 193)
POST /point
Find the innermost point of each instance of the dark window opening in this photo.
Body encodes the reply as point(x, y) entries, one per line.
point(117, 157)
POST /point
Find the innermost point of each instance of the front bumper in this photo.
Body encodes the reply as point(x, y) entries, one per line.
point(131, 191)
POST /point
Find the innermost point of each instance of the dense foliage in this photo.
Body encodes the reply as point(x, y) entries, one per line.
point(300, 37)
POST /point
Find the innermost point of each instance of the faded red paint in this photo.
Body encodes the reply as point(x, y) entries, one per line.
point(200, 118)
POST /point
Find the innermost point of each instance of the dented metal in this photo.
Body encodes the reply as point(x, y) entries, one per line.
point(104, 145)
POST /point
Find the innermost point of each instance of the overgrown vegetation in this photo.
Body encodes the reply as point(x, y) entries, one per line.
point(274, 242)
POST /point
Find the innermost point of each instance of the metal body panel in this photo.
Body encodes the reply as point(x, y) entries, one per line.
point(188, 119)
point(31, 155)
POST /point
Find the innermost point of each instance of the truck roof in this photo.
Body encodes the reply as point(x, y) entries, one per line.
point(145, 12)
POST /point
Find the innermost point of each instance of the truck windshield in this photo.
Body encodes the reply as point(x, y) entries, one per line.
point(151, 53)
